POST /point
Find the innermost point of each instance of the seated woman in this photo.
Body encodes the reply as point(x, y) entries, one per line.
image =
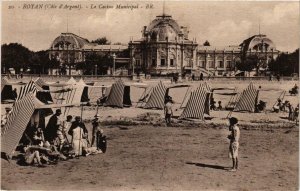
point(261, 106)
point(294, 90)
point(219, 106)
point(36, 155)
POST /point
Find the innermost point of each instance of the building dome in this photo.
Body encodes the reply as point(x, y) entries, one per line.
point(163, 28)
point(69, 40)
point(163, 33)
point(258, 42)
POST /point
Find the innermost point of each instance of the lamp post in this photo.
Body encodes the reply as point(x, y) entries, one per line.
point(114, 63)
point(133, 62)
point(96, 70)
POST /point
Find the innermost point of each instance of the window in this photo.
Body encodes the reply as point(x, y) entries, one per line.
point(163, 62)
point(153, 62)
point(211, 64)
point(201, 63)
point(220, 64)
point(228, 64)
point(171, 62)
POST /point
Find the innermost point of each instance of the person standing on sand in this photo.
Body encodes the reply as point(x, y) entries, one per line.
point(96, 129)
point(79, 134)
point(234, 142)
point(53, 126)
point(168, 110)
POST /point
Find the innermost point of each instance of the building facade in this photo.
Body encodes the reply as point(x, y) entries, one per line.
point(165, 48)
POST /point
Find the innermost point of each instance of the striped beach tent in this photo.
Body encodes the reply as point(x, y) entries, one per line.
point(119, 95)
point(206, 86)
point(197, 105)
point(40, 82)
point(44, 95)
point(157, 97)
point(29, 87)
point(17, 122)
point(248, 99)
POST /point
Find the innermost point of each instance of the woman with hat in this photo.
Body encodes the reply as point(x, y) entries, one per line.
point(78, 132)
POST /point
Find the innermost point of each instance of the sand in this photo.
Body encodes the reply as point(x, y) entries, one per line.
point(147, 155)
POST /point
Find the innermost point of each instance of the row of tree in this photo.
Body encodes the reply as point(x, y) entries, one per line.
point(18, 57)
point(285, 64)
point(22, 60)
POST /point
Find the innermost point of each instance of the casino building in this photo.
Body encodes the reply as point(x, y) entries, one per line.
point(165, 48)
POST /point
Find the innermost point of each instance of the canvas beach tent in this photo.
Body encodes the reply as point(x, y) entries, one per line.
point(44, 95)
point(281, 93)
point(203, 85)
point(22, 112)
point(157, 97)
point(9, 90)
point(146, 90)
point(248, 99)
point(227, 91)
point(119, 95)
point(173, 90)
point(20, 115)
point(197, 104)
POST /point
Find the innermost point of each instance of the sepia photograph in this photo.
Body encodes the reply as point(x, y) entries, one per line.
point(150, 95)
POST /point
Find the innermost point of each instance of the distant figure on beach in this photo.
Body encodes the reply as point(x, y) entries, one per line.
point(193, 77)
point(168, 110)
point(201, 76)
point(270, 77)
point(234, 137)
point(219, 106)
point(278, 77)
point(294, 90)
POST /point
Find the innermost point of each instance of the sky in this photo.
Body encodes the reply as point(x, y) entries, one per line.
point(222, 23)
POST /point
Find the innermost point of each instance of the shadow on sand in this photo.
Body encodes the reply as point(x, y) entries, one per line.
point(208, 166)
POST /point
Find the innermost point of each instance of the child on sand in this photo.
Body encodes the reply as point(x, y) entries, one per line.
point(168, 110)
point(234, 142)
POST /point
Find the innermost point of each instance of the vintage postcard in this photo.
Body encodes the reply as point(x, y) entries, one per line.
point(150, 95)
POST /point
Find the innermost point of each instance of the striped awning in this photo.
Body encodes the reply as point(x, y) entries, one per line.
point(29, 87)
point(196, 105)
point(248, 99)
point(115, 97)
point(157, 97)
point(40, 82)
point(17, 122)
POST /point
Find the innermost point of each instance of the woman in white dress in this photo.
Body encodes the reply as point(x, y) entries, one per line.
point(79, 133)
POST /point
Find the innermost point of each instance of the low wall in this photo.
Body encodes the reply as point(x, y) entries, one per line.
point(129, 77)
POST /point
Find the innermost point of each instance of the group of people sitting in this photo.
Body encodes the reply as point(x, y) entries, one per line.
point(286, 106)
point(213, 105)
point(48, 145)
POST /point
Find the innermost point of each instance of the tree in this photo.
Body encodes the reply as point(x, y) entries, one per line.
point(102, 40)
point(248, 64)
point(101, 60)
point(15, 56)
point(285, 64)
point(40, 62)
point(206, 43)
